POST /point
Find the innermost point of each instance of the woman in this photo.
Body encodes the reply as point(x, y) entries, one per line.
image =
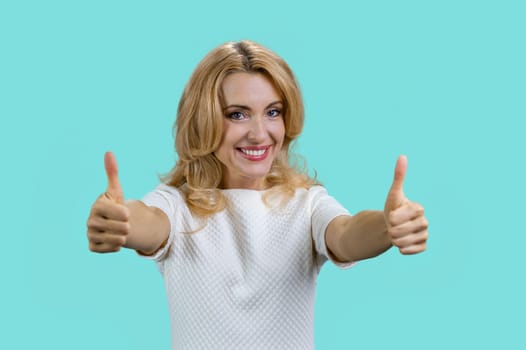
point(238, 234)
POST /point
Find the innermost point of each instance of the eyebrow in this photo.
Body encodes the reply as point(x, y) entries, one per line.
point(248, 108)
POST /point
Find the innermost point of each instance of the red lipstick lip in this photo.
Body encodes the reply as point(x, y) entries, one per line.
point(254, 148)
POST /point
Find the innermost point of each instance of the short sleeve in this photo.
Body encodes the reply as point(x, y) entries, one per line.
point(324, 209)
point(165, 198)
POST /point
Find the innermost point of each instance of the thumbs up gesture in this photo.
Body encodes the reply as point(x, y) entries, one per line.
point(108, 222)
point(406, 223)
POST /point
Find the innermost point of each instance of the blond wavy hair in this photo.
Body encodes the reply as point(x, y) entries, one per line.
point(198, 128)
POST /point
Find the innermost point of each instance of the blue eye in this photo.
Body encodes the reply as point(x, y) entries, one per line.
point(274, 113)
point(236, 116)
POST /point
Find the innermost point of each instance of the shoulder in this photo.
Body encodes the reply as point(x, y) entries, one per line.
point(315, 190)
point(317, 193)
point(165, 196)
point(167, 190)
point(321, 200)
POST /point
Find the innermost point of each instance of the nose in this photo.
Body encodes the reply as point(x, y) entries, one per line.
point(257, 129)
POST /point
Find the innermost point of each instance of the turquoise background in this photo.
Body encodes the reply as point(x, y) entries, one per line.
point(441, 81)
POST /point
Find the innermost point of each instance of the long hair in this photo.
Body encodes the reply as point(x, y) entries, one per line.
point(199, 125)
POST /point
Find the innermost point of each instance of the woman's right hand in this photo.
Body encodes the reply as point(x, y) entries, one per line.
point(109, 219)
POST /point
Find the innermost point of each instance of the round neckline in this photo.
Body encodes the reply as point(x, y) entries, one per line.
point(242, 190)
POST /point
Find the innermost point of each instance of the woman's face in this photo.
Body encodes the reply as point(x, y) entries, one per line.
point(253, 130)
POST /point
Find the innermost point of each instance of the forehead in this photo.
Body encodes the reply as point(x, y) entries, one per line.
point(248, 88)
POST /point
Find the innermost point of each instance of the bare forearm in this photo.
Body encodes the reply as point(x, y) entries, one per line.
point(358, 237)
point(149, 227)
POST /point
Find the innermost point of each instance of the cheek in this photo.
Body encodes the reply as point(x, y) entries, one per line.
point(278, 132)
point(229, 137)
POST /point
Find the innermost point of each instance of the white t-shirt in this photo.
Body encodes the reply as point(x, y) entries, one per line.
point(245, 278)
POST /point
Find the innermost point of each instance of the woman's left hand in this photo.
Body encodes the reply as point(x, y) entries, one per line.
point(406, 223)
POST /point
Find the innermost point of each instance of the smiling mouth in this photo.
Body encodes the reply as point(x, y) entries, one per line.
point(254, 153)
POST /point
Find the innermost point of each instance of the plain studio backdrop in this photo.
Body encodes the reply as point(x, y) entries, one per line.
point(443, 82)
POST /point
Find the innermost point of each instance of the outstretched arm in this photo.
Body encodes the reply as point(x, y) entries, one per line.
point(113, 224)
point(370, 233)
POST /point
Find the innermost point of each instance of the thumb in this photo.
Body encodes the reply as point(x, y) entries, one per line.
point(114, 189)
point(396, 196)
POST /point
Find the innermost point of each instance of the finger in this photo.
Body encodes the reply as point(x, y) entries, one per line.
point(417, 225)
point(99, 224)
point(106, 208)
point(399, 174)
point(414, 249)
point(107, 238)
point(411, 239)
point(114, 190)
point(405, 213)
point(396, 197)
point(104, 247)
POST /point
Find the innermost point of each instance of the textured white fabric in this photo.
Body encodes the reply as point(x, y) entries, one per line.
point(246, 277)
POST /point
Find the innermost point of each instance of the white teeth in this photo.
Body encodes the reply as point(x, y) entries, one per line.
point(254, 153)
